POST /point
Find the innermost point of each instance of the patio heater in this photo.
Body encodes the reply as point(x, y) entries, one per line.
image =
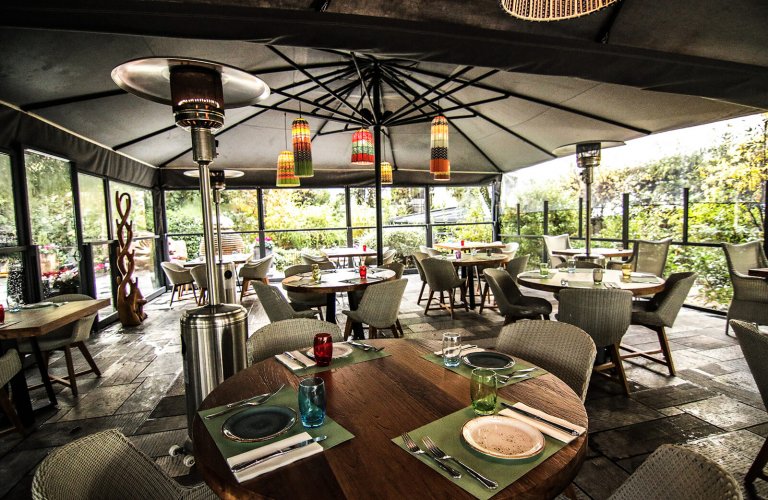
point(587, 159)
point(213, 336)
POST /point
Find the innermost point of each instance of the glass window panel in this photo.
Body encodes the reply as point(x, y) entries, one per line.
point(714, 222)
point(304, 208)
point(51, 204)
point(183, 214)
point(8, 233)
point(287, 246)
point(468, 232)
point(141, 213)
point(103, 274)
point(144, 261)
point(11, 277)
point(93, 212)
point(461, 204)
point(399, 206)
point(655, 222)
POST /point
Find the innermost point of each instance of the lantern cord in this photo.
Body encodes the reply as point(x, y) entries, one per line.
point(285, 129)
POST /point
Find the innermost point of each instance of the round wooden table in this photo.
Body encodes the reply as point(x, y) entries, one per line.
point(610, 278)
point(377, 401)
point(469, 264)
point(605, 252)
point(348, 253)
point(338, 281)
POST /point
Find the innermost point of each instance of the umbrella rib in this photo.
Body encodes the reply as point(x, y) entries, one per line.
point(72, 100)
point(408, 108)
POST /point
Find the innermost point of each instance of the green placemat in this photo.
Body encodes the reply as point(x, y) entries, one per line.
point(466, 371)
point(446, 433)
point(357, 356)
point(644, 279)
point(584, 284)
point(287, 397)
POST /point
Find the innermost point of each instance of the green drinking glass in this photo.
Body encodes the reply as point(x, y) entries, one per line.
point(482, 390)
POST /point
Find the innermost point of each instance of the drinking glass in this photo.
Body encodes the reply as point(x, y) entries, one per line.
point(626, 271)
point(544, 269)
point(14, 304)
point(482, 390)
point(451, 349)
point(312, 401)
point(323, 349)
point(571, 265)
point(597, 275)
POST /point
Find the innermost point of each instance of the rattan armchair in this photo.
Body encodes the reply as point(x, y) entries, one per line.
point(107, 465)
point(287, 335)
point(10, 365)
point(387, 257)
point(431, 252)
point(647, 257)
point(673, 472)
point(200, 276)
point(304, 299)
point(605, 315)
point(276, 306)
point(750, 293)
point(418, 257)
point(257, 270)
point(754, 345)
point(559, 242)
point(441, 277)
point(62, 339)
point(322, 260)
point(562, 349)
point(180, 277)
point(512, 304)
point(378, 308)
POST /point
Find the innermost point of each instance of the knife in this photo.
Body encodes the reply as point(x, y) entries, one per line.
point(300, 362)
point(563, 428)
point(280, 452)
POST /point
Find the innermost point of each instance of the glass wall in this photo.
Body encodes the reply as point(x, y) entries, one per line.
point(93, 217)
point(8, 233)
point(461, 213)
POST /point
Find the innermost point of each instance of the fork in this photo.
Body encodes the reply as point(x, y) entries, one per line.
point(261, 400)
point(414, 448)
point(440, 454)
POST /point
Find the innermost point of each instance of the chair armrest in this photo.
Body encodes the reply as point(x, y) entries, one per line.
point(751, 288)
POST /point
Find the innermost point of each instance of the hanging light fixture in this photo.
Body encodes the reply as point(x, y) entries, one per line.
point(286, 165)
point(552, 10)
point(386, 167)
point(362, 147)
point(302, 148)
point(439, 164)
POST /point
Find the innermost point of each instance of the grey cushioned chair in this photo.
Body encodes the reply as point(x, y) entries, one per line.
point(304, 299)
point(647, 257)
point(61, 339)
point(517, 266)
point(562, 349)
point(287, 335)
point(441, 277)
point(387, 257)
point(276, 305)
point(750, 293)
point(418, 257)
point(180, 277)
point(322, 260)
point(605, 315)
point(431, 252)
point(754, 345)
point(200, 276)
point(559, 242)
point(379, 308)
point(256, 270)
point(512, 304)
point(10, 365)
point(397, 267)
point(659, 313)
point(673, 472)
point(106, 465)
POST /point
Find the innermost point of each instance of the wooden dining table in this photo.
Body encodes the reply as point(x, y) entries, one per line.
point(348, 253)
point(608, 253)
point(377, 401)
point(554, 282)
point(469, 265)
point(30, 324)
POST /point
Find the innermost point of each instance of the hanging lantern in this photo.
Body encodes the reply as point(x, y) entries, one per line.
point(285, 172)
point(439, 165)
point(386, 172)
point(362, 147)
point(302, 148)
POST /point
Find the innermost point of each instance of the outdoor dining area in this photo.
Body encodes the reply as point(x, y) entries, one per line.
point(284, 251)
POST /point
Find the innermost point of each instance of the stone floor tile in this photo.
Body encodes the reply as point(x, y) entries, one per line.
point(599, 477)
point(17, 464)
point(726, 413)
point(672, 396)
point(100, 402)
point(421, 327)
point(610, 413)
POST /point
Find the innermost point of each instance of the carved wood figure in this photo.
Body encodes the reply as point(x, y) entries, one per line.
point(130, 301)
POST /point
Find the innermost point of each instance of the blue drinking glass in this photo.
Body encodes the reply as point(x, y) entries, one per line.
point(312, 401)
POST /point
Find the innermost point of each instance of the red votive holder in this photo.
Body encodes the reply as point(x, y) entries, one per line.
point(462, 242)
point(2, 314)
point(365, 248)
point(323, 349)
point(363, 272)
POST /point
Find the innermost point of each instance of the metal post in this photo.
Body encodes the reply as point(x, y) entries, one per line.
point(262, 235)
point(348, 205)
point(765, 213)
point(428, 214)
point(205, 198)
point(217, 202)
point(545, 221)
point(686, 206)
point(495, 209)
point(625, 220)
point(518, 219)
point(581, 216)
point(587, 176)
point(377, 164)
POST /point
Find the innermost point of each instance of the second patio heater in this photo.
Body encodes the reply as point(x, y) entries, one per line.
point(213, 336)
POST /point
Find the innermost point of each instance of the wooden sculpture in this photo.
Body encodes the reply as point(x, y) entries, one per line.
point(130, 301)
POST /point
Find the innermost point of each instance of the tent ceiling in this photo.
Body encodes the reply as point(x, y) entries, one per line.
point(513, 91)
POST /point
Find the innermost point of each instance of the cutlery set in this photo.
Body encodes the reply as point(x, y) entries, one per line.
point(251, 463)
point(252, 401)
point(364, 347)
point(568, 430)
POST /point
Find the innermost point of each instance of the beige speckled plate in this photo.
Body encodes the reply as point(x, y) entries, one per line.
point(503, 437)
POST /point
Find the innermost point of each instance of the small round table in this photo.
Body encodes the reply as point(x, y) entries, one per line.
point(468, 263)
point(338, 281)
point(611, 278)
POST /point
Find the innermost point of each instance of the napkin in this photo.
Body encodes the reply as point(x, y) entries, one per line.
point(544, 428)
point(273, 463)
point(291, 364)
point(463, 351)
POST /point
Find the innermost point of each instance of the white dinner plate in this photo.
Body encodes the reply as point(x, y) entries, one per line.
point(339, 351)
point(503, 437)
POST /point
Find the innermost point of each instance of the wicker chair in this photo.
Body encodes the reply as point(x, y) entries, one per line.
point(322, 260)
point(107, 465)
point(287, 335)
point(658, 313)
point(431, 252)
point(72, 335)
point(512, 304)
point(560, 242)
point(387, 257)
point(180, 277)
point(254, 271)
point(378, 309)
point(517, 266)
point(605, 315)
point(397, 267)
point(565, 350)
point(441, 277)
point(418, 257)
point(673, 472)
point(754, 345)
point(750, 293)
point(510, 250)
point(10, 365)
point(200, 276)
point(276, 305)
point(304, 299)
point(647, 257)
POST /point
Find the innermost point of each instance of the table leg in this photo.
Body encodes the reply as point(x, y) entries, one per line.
point(471, 285)
point(20, 392)
point(357, 328)
point(43, 367)
point(330, 307)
